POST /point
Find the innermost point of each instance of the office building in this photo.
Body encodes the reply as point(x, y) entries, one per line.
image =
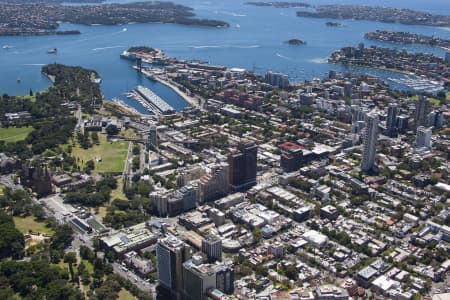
point(185, 176)
point(174, 205)
point(291, 157)
point(160, 201)
point(447, 57)
point(188, 196)
point(212, 247)
point(348, 89)
point(402, 123)
point(171, 253)
point(421, 112)
point(391, 121)
point(243, 164)
point(358, 118)
point(436, 119)
point(225, 277)
point(370, 136)
point(423, 137)
point(198, 279)
point(153, 137)
point(128, 239)
point(277, 79)
point(214, 185)
point(307, 99)
point(201, 278)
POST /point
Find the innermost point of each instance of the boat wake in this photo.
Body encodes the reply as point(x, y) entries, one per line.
point(37, 65)
point(283, 57)
point(226, 46)
point(105, 48)
point(247, 47)
point(206, 47)
point(318, 60)
point(232, 14)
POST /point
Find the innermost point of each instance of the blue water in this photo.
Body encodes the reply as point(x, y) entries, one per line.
point(254, 41)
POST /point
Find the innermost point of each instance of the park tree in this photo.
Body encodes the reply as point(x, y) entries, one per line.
point(70, 258)
point(112, 129)
point(12, 242)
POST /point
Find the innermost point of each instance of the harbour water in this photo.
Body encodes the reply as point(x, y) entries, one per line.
point(255, 41)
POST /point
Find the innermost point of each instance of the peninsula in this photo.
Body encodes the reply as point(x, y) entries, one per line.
point(45, 18)
point(376, 13)
point(420, 64)
point(407, 38)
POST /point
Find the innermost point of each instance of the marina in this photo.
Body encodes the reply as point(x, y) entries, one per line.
point(419, 84)
point(126, 106)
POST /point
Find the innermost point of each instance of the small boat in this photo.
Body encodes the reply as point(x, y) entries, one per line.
point(52, 51)
point(19, 80)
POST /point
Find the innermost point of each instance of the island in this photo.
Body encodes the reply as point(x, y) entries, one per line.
point(280, 4)
point(39, 19)
point(425, 65)
point(333, 24)
point(295, 42)
point(407, 38)
point(146, 54)
point(376, 13)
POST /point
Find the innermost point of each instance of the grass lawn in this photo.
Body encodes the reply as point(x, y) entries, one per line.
point(89, 266)
point(101, 212)
point(28, 223)
point(31, 98)
point(107, 156)
point(14, 134)
point(2, 188)
point(118, 192)
point(433, 101)
point(128, 133)
point(126, 295)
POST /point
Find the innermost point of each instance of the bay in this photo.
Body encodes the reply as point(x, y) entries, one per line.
point(255, 41)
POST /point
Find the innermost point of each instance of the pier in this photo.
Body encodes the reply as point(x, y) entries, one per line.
point(152, 102)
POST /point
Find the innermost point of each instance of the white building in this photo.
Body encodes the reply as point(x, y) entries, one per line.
point(423, 137)
point(370, 142)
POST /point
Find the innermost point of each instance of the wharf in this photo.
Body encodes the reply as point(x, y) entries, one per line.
point(148, 73)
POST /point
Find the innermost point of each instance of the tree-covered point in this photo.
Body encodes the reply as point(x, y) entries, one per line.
point(75, 84)
point(144, 49)
point(48, 112)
